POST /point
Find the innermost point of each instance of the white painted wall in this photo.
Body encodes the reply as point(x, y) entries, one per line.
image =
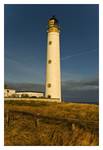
point(9, 92)
point(30, 94)
point(13, 93)
point(53, 75)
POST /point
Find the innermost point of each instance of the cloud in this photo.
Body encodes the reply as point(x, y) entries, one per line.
point(78, 54)
point(26, 86)
point(81, 90)
point(90, 84)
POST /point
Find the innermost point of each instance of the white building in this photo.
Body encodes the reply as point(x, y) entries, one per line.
point(14, 93)
point(29, 94)
point(9, 92)
point(53, 74)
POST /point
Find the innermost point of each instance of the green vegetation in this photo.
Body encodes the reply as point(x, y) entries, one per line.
point(45, 123)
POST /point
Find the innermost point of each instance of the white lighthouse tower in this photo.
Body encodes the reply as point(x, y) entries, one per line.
point(53, 75)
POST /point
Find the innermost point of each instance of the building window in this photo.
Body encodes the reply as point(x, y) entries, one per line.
point(49, 85)
point(49, 96)
point(50, 42)
point(49, 61)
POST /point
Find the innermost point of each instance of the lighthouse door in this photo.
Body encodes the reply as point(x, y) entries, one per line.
point(49, 96)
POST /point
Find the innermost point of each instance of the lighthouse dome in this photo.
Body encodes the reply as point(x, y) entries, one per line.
point(53, 22)
point(54, 18)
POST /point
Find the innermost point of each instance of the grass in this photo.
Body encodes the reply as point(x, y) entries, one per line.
point(45, 123)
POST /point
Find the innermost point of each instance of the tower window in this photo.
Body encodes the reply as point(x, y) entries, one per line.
point(49, 61)
point(49, 85)
point(50, 42)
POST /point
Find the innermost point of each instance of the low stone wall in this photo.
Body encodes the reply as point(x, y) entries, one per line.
point(34, 99)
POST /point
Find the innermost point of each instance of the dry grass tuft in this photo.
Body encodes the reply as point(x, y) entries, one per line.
point(45, 123)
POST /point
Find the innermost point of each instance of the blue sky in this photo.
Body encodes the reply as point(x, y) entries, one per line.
point(25, 45)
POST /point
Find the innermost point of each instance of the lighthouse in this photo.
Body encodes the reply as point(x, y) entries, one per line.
point(53, 73)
